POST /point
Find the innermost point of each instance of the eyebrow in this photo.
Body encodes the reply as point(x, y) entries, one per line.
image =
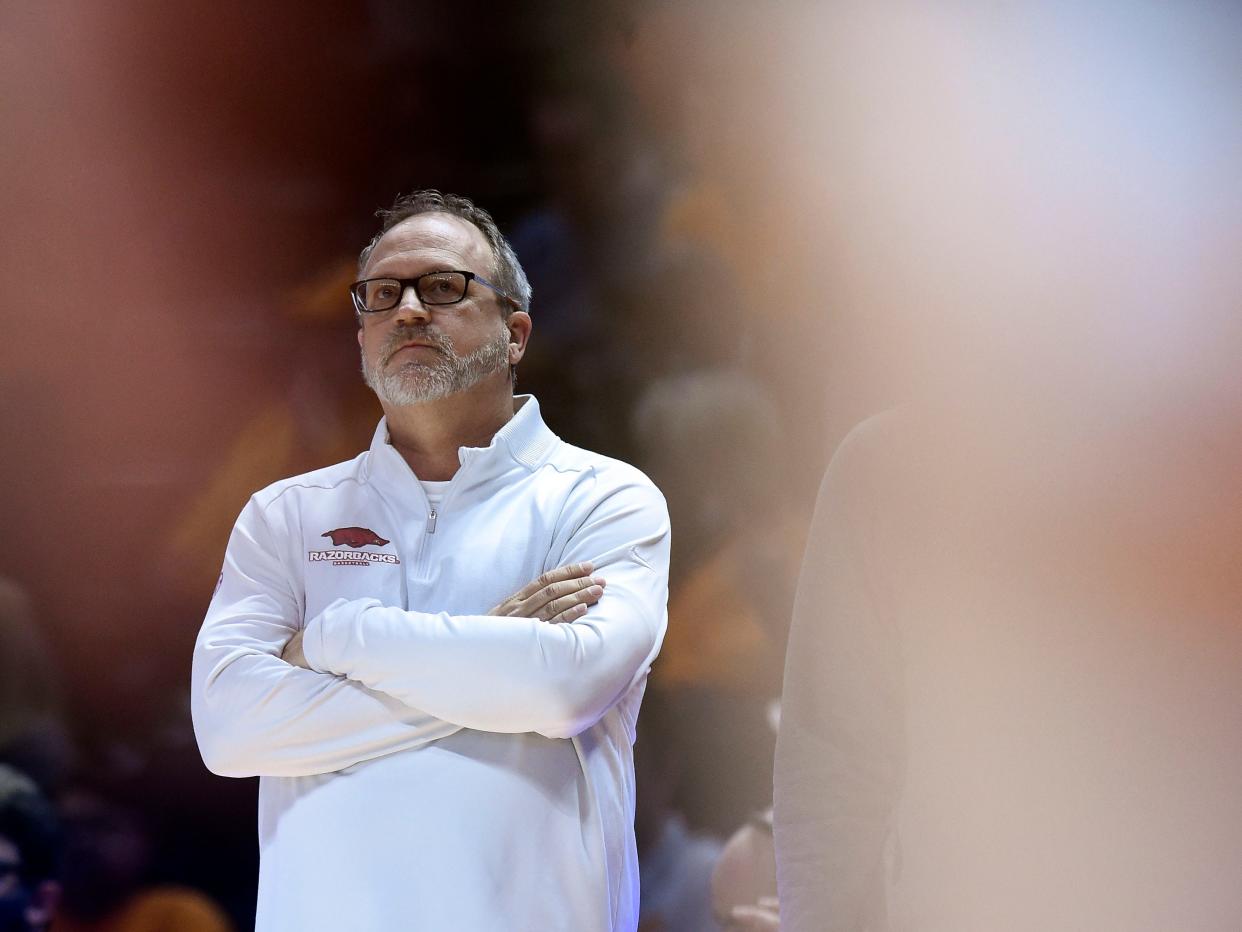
point(429, 264)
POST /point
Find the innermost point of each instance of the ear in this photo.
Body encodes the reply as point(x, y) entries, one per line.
point(519, 325)
point(360, 333)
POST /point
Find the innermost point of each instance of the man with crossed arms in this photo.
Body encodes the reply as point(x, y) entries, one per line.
point(442, 743)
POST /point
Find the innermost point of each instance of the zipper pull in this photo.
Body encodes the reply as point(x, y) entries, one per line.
point(431, 521)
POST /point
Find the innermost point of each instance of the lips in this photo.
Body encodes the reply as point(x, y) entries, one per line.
point(413, 344)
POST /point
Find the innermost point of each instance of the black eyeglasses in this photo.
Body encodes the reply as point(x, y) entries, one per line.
point(434, 289)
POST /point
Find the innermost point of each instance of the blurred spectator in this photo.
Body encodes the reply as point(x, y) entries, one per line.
point(710, 84)
point(33, 735)
point(711, 442)
point(190, 820)
point(105, 875)
point(590, 245)
point(675, 864)
point(721, 419)
point(680, 312)
point(29, 852)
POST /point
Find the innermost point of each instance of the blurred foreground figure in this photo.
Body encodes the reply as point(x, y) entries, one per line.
point(29, 851)
point(1014, 697)
point(1013, 694)
point(443, 743)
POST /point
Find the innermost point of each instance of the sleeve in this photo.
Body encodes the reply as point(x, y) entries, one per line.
point(508, 674)
point(839, 755)
point(256, 714)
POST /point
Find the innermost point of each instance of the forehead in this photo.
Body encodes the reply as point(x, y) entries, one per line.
point(427, 240)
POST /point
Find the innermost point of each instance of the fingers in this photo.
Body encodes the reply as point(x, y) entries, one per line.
point(573, 613)
point(515, 602)
point(554, 595)
point(551, 600)
point(574, 605)
point(554, 577)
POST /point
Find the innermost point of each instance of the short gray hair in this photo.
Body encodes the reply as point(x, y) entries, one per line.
point(506, 274)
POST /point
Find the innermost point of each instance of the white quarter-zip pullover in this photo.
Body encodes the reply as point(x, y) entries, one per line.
point(438, 768)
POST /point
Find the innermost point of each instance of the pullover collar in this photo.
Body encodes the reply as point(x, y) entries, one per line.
point(524, 440)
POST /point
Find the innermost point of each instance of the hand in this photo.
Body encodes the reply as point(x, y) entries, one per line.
point(293, 652)
point(559, 595)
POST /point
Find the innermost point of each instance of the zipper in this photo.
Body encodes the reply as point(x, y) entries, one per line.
point(433, 515)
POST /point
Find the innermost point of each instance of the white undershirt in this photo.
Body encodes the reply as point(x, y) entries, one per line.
point(435, 490)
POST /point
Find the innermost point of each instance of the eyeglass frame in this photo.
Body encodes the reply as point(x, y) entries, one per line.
point(413, 283)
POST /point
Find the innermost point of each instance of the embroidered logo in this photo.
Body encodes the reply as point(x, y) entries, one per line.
point(354, 538)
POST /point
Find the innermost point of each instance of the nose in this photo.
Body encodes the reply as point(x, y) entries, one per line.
point(410, 308)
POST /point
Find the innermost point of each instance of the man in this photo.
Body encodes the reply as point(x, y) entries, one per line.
point(428, 763)
point(29, 850)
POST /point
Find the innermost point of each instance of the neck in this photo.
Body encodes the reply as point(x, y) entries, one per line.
point(428, 435)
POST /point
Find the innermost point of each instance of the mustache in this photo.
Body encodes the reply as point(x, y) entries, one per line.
point(398, 339)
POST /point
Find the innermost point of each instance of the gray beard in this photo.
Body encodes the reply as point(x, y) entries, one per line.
point(416, 383)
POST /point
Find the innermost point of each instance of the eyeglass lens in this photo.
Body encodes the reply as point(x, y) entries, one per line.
point(434, 288)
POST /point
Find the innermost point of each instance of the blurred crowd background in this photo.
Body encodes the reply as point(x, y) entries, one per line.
point(747, 227)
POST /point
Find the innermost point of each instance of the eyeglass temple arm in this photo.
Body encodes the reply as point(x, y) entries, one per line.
point(504, 294)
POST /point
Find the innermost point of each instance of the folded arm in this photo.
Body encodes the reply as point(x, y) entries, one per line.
point(520, 674)
point(256, 714)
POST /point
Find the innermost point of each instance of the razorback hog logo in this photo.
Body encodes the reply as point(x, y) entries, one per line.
point(354, 537)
